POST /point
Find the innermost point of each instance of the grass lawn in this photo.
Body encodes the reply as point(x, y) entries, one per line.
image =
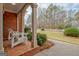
point(55, 35)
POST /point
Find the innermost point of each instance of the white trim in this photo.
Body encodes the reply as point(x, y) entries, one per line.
point(1, 28)
point(10, 11)
point(17, 23)
point(34, 25)
point(22, 22)
point(23, 14)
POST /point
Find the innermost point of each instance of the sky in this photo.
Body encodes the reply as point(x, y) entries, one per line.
point(67, 6)
point(28, 12)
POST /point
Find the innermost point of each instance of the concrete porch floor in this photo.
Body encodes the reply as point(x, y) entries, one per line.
point(18, 50)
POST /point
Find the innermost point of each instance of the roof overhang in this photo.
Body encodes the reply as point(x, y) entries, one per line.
point(14, 8)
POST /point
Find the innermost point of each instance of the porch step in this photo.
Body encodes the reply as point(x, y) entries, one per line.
point(32, 52)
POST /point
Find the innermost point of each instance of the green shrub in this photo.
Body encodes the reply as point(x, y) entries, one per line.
point(41, 38)
point(29, 36)
point(68, 26)
point(74, 32)
point(42, 29)
point(26, 29)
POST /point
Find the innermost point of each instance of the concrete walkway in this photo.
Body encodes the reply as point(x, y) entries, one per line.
point(60, 49)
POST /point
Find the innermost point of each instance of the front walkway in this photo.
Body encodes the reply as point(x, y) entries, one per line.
point(61, 49)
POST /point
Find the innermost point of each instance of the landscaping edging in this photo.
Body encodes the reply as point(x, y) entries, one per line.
point(46, 45)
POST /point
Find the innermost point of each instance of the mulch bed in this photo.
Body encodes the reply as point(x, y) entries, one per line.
point(46, 45)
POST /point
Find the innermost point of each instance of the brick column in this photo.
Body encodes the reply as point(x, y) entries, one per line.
point(34, 25)
point(1, 27)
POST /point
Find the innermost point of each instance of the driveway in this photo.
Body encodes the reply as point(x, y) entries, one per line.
point(60, 49)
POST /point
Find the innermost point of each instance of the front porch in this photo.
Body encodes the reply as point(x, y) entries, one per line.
point(13, 18)
point(13, 39)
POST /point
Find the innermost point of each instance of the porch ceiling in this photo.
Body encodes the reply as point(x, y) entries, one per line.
point(13, 8)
